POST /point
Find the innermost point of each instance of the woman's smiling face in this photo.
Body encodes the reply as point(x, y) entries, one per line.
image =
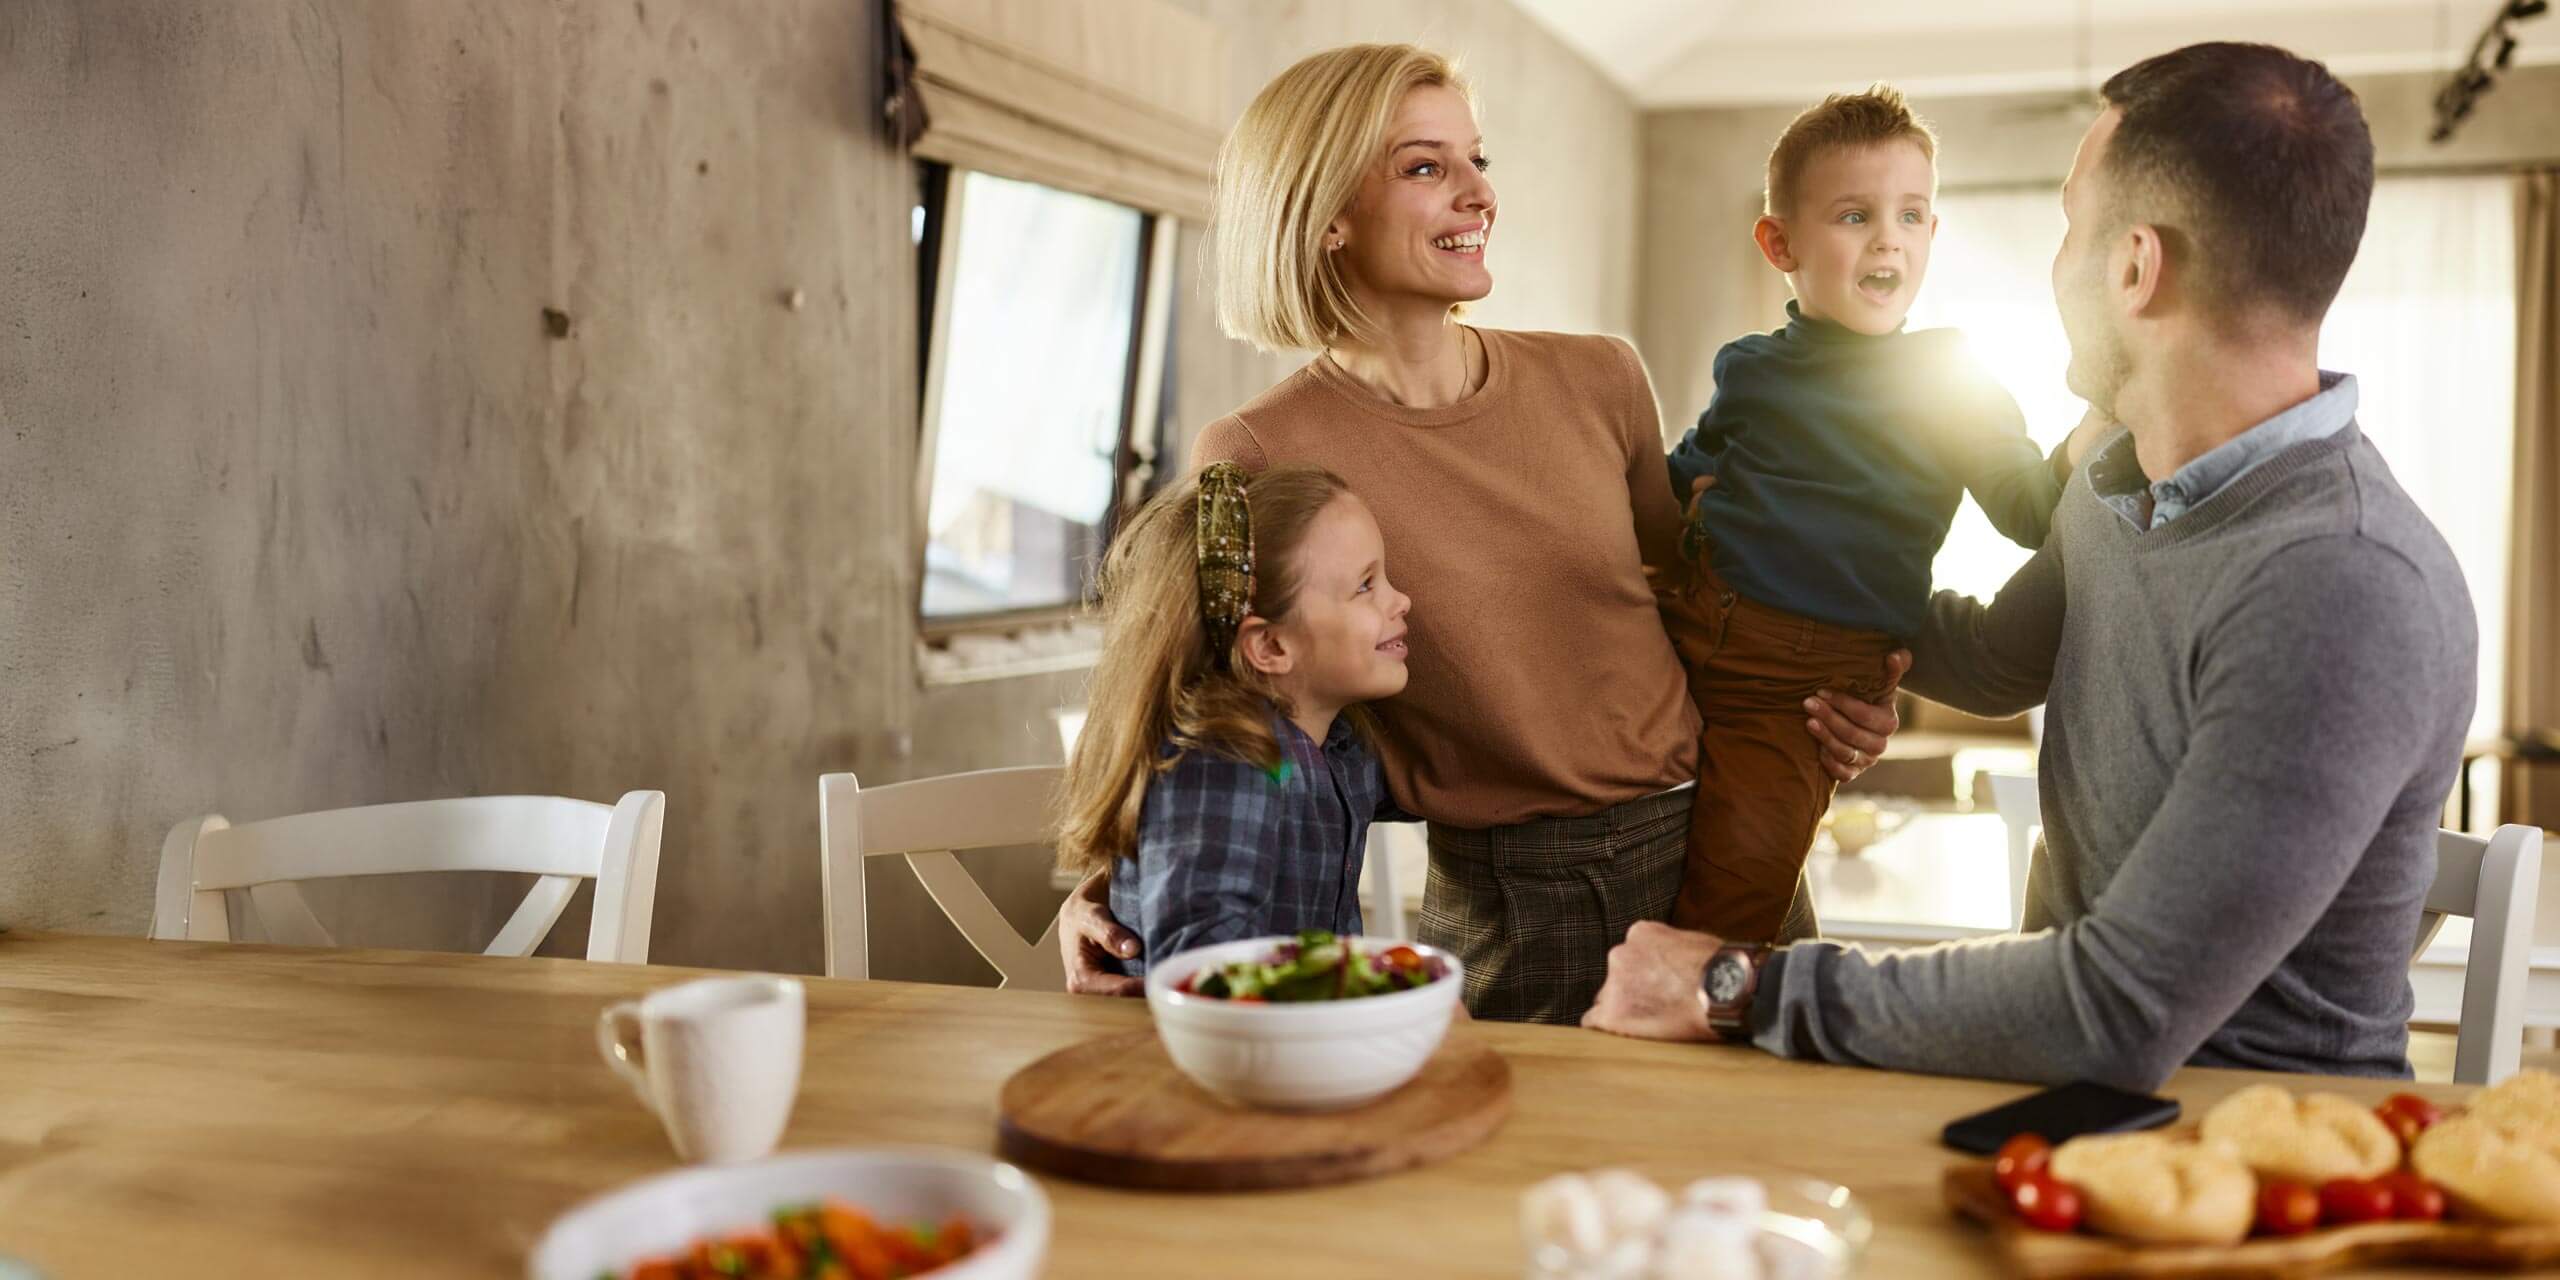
point(1419, 227)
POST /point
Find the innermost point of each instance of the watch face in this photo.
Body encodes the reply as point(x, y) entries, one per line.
point(1725, 977)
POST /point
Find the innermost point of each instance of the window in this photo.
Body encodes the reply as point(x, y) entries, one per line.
point(2426, 323)
point(1043, 370)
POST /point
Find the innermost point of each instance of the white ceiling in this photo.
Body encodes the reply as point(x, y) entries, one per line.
point(1672, 53)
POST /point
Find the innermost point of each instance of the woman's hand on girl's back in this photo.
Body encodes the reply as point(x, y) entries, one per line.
point(1087, 933)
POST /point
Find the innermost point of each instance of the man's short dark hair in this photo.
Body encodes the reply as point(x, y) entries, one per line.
point(2268, 156)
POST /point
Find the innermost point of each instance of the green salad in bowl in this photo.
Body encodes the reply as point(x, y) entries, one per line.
point(1315, 965)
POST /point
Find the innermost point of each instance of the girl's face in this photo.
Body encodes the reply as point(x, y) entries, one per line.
point(1343, 640)
point(1417, 230)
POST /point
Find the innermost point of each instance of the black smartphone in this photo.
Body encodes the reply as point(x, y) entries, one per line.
point(2060, 1114)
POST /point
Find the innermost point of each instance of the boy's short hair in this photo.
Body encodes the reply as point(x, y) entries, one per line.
point(1881, 114)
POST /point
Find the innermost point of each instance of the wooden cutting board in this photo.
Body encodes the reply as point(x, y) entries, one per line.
point(1116, 1110)
point(1971, 1190)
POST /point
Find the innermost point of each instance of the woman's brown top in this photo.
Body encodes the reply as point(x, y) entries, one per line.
point(1521, 520)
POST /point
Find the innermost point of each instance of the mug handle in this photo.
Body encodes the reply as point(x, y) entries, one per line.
point(618, 1039)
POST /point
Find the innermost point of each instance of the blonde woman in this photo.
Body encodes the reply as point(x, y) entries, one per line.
point(1547, 733)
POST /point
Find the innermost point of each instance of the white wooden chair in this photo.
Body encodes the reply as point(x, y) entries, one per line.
point(1383, 916)
point(563, 841)
point(2014, 795)
point(928, 822)
point(2495, 882)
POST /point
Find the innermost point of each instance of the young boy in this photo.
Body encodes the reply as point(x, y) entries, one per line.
point(1840, 447)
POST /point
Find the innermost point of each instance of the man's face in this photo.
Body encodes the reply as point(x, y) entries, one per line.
point(2082, 269)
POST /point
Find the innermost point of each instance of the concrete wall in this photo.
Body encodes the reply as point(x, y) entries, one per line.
point(302, 506)
point(1704, 282)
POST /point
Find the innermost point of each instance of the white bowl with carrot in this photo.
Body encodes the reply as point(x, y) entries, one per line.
point(952, 1215)
point(1305, 1023)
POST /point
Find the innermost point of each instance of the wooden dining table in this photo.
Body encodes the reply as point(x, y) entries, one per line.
point(220, 1109)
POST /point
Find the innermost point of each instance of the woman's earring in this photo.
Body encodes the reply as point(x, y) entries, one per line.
point(1335, 247)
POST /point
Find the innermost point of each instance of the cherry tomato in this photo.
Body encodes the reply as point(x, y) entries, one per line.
point(1401, 958)
point(2287, 1208)
point(2047, 1202)
point(2346, 1201)
point(2408, 1115)
point(2020, 1158)
point(2413, 1198)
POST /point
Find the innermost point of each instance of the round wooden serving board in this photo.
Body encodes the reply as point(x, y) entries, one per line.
point(1116, 1110)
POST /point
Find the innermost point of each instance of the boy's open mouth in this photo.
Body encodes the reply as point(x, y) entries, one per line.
point(1393, 648)
point(1880, 285)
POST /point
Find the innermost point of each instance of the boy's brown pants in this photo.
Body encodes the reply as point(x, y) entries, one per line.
point(1762, 789)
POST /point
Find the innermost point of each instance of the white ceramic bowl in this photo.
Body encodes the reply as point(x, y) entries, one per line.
point(661, 1215)
point(1324, 1055)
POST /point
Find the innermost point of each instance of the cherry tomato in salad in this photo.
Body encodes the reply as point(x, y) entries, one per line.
point(2347, 1201)
point(2047, 1202)
point(2287, 1208)
point(2020, 1158)
point(1402, 958)
point(2413, 1199)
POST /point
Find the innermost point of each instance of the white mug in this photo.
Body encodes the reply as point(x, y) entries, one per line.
point(718, 1059)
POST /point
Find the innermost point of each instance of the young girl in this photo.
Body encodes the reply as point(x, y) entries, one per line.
point(1225, 773)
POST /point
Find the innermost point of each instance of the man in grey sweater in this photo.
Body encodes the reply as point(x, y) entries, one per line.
point(2258, 657)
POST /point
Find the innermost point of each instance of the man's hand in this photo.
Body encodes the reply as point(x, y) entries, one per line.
point(1087, 933)
point(1853, 732)
point(1652, 992)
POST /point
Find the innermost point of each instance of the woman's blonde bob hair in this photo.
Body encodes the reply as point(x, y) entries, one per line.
point(1290, 167)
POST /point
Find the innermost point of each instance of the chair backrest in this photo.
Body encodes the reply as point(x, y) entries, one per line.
point(563, 841)
point(2022, 811)
point(2495, 882)
point(927, 822)
point(1383, 916)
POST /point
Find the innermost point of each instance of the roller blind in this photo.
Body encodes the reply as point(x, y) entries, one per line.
point(1122, 99)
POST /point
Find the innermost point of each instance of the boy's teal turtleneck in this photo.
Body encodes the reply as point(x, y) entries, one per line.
point(1840, 458)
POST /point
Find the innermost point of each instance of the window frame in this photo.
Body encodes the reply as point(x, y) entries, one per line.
point(1146, 389)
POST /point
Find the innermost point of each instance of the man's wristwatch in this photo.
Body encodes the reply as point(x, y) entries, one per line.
point(1732, 978)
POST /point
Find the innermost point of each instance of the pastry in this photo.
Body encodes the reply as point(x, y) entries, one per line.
point(2492, 1168)
point(2312, 1138)
point(2149, 1188)
point(2527, 1101)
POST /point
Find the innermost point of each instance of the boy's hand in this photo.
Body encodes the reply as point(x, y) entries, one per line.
point(2095, 425)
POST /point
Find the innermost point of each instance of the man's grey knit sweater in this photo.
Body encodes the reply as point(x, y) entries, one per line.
point(2256, 711)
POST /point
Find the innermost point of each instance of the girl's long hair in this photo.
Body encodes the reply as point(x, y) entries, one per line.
point(1157, 682)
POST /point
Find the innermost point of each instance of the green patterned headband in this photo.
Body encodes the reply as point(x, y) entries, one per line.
point(1226, 555)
